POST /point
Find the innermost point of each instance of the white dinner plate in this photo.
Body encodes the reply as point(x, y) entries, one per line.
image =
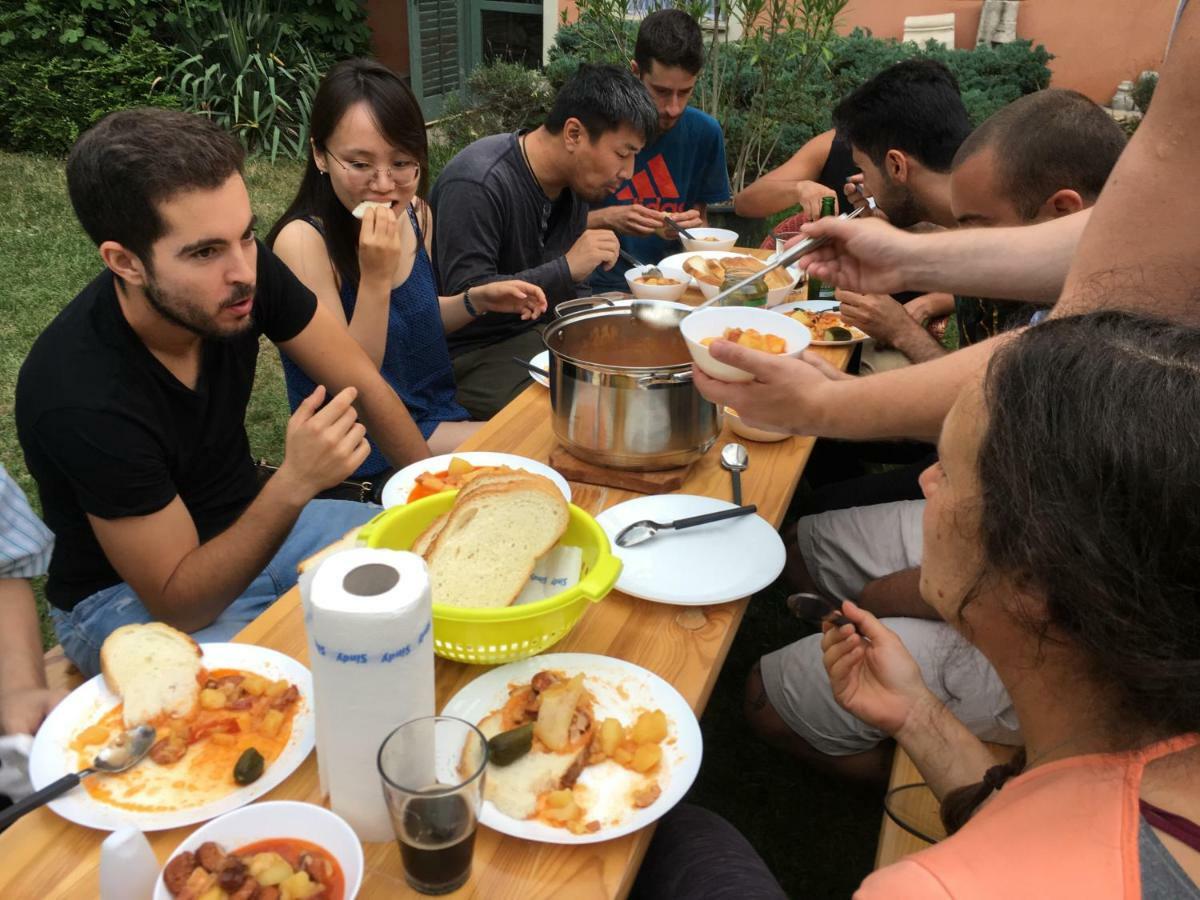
point(816, 306)
point(52, 756)
point(705, 564)
point(400, 485)
point(542, 361)
point(622, 690)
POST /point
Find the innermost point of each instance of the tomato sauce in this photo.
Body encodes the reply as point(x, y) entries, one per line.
point(215, 738)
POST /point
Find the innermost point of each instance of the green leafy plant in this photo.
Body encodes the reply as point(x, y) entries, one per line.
point(52, 99)
point(1143, 90)
point(247, 71)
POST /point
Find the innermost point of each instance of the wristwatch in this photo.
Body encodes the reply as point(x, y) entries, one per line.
point(470, 307)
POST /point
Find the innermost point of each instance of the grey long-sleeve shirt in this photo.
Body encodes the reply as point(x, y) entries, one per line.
point(491, 221)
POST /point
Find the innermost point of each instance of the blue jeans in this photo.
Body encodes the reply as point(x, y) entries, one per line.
point(82, 630)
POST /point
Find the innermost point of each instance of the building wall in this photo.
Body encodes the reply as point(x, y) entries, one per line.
point(389, 33)
point(1097, 43)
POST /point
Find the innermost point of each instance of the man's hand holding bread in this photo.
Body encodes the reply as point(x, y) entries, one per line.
point(324, 446)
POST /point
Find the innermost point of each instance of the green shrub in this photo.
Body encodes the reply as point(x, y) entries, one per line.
point(1143, 91)
point(248, 71)
point(65, 63)
point(52, 99)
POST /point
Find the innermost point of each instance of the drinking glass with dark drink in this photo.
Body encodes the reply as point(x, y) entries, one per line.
point(433, 770)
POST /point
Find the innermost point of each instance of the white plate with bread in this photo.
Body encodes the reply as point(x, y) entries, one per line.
point(604, 789)
point(162, 685)
point(398, 488)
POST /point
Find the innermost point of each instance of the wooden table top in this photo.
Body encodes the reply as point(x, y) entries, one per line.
point(46, 856)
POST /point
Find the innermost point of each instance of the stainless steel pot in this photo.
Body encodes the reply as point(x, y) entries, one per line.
point(622, 393)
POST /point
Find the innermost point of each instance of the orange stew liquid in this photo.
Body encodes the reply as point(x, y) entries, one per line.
point(420, 491)
point(291, 849)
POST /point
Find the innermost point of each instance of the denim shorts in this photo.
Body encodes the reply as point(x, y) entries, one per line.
point(83, 629)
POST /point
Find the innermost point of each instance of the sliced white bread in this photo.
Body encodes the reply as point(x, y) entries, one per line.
point(710, 271)
point(154, 669)
point(493, 537)
point(514, 789)
point(425, 540)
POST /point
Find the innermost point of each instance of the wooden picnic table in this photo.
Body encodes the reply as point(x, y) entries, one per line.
point(46, 856)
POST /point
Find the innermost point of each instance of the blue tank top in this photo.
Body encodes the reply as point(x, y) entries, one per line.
point(416, 362)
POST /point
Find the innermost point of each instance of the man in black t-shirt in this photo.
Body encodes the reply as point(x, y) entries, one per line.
point(130, 406)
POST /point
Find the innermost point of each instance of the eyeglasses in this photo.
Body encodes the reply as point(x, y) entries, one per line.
point(402, 174)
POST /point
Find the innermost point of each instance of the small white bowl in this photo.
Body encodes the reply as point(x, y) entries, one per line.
point(725, 239)
point(657, 291)
point(280, 819)
point(750, 433)
point(713, 321)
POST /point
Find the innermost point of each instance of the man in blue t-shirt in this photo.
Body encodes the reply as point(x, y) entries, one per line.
point(683, 170)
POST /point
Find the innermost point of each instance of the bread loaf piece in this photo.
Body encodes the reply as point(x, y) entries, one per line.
point(515, 788)
point(710, 271)
point(486, 549)
point(154, 668)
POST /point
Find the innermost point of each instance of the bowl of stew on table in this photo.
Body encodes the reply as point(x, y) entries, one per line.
point(298, 849)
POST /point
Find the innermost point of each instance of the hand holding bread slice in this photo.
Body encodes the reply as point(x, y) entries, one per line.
point(482, 552)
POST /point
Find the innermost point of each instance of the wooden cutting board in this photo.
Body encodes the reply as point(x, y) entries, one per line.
point(574, 469)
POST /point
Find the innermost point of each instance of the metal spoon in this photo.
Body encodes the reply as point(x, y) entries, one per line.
point(671, 222)
point(816, 608)
point(528, 365)
point(736, 459)
point(657, 314)
point(638, 532)
point(651, 271)
point(125, 751)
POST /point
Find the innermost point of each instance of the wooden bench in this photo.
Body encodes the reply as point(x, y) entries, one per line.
point(918, 807)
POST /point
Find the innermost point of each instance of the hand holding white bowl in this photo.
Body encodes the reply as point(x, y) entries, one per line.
point(712, 323)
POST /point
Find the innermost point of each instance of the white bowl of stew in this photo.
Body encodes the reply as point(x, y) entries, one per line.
point(286, 828)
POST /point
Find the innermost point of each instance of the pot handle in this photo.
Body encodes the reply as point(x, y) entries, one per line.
point(570, 306)
point(676, 378)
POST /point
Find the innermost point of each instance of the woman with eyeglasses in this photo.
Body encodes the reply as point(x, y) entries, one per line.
point(369, 143)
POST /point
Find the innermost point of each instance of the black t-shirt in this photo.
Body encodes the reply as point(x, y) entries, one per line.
point(492, 222)
point(108, 430)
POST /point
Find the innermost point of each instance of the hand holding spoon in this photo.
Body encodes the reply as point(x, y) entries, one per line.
point(125, 751)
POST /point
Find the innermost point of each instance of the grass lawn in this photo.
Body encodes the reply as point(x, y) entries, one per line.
point(45, 259)
point(817, 835)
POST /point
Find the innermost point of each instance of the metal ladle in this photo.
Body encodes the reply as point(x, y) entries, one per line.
point(126, 750)
point(659, 314)
point(736, 459)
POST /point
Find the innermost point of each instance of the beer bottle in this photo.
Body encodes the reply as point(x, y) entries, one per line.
point(818, 289)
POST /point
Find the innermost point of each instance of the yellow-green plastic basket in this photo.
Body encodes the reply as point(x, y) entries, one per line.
point(504, 634)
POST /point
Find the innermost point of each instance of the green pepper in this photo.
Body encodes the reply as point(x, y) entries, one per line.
point(249, 767)
point(837, 333)
point(509, 746)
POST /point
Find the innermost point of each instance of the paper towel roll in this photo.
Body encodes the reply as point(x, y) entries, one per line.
point(371, 637)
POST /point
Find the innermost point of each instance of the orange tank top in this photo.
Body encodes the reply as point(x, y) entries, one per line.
point(1068, 829)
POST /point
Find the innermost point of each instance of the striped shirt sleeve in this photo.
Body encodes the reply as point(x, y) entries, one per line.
point(25, 543)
